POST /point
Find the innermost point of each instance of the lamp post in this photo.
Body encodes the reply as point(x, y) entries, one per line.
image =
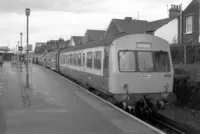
point(21, 52)
point(27, 12)
point(18, 54)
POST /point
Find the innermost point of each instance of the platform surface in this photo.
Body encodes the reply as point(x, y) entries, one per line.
point(57, 107)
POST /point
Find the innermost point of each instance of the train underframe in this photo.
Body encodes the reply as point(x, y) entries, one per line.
point(145, 104)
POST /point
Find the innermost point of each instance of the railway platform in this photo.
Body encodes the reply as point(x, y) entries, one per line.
point(57, 106)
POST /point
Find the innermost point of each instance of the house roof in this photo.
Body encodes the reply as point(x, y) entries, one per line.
point(95, 34)
point(66, 43)
point(152, 26)
point(139, 26)
point(130, 26)
point(77, 39)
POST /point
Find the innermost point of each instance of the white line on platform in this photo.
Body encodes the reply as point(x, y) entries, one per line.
point(131, 116)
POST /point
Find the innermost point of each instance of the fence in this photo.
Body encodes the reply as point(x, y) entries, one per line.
point(192, 58)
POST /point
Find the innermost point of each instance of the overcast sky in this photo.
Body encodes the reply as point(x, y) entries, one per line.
point(51, 19)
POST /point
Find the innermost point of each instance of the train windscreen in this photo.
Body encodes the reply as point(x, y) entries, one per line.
point(143, 61)
point(162, 62)
point(127, 61)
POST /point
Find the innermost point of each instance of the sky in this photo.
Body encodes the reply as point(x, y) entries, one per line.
point(53, 19)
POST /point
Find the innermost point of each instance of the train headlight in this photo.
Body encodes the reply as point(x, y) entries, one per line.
point(125, 86)
point(166, 86)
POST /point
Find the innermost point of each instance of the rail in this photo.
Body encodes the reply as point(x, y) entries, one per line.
point(172, 126)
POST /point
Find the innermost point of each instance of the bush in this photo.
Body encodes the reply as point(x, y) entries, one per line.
point(183, 84)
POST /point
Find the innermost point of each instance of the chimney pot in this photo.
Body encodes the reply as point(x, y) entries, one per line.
point(128, 18)
point(174, 11)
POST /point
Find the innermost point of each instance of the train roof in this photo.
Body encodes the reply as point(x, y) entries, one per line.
point(101, 42)
point(55, 51)
point(104, 42)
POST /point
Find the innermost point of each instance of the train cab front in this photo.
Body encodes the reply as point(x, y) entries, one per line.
point(143, 72)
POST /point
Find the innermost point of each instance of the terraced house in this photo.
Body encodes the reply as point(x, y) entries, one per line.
point(190, 24)
point(166, 28)
point(187, 49)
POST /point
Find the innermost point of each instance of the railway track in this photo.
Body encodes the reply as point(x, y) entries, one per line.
point(159, 121)
point(170, 124)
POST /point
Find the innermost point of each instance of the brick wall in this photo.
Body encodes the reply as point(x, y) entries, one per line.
point(191, 10)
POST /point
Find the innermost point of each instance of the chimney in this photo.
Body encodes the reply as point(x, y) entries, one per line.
point(174, 11)
point(129, 19)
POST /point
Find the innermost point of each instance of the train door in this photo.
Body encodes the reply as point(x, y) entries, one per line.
point(106, 67)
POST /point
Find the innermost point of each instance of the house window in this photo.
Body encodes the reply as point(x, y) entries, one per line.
point(189, 24)
point(89, 59)
point(97, 60)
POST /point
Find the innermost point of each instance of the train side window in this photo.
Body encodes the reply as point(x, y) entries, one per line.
point(66, 59)
point(83, 59)
point(61, 59)
point(97, 60)
point(106, 60)
point(89, 59)
point(79, 59)
point(74, 59)
point(70, 59)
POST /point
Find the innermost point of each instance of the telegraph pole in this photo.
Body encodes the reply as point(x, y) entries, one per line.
point(27, 11)
point(21, 52)
point(181, 26)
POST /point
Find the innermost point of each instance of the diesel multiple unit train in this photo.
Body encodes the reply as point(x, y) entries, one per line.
point(134, 70)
